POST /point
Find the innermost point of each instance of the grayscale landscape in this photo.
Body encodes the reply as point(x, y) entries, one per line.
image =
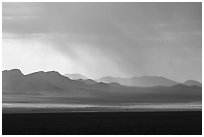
point(102, 68)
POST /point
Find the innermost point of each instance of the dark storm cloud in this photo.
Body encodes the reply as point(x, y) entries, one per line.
point(138, 38)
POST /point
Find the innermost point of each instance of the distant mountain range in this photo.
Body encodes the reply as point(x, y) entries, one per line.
point(144, 81)
point(52, 86)
point(147, 81)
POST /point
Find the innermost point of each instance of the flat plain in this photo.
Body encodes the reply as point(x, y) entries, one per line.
point(103, 123)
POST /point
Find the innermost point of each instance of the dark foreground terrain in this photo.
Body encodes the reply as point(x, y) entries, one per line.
point(106, 123)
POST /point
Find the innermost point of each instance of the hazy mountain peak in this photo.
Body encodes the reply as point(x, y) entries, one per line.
point(193, 83)
point(53, 73)
point(87, 81)
point(45, 73)
point(37, 73)
point(75, 76)
point(13, 72)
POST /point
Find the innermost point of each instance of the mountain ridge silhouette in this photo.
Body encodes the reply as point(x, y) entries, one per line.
point(53, 84)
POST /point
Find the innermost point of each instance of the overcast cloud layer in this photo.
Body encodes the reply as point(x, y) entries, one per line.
point(101, 39)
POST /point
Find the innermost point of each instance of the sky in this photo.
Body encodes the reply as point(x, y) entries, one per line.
point(104, 39)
